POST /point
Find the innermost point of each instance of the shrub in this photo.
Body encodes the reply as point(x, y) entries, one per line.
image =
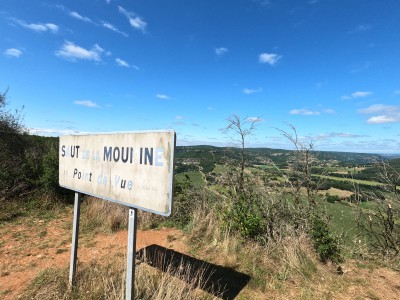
point(332, 198)
point(326, 243)
point(246, 218)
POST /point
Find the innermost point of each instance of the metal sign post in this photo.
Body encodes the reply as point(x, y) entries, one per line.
point(75, 232)
point(131, 255)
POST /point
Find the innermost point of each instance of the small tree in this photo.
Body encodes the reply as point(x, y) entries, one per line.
point(242, 128)
point(300, 167)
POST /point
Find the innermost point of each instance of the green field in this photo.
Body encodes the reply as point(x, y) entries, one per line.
point(220, 169)
point(196, 177)
point(358, 181)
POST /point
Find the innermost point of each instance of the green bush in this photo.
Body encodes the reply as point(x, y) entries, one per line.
point(326, 243)
point(332, 198)
point(245, 216)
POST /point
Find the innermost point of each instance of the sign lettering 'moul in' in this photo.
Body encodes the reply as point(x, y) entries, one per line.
point(134, 169)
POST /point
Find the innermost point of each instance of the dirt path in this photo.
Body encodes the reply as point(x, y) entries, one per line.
point(33, 245)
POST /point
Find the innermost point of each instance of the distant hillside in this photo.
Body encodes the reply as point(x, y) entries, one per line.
point(395, 163)
point(190, 157)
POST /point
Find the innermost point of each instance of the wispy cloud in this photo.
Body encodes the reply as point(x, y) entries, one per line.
point(383, 113)
point(13, 52)
point(221, 51)
point(87, 103)
point(72, 52)
point(135, 21)
point(78, 16)
point(361, 94)
point(358, 94)
point(255, 119)
point(122, 63)
point(340, 135)
point(269, 58)
point(360, 28)
point(179, 123)
point(252, 91)
point(51, 131)
point(163, 97)
point(329, 111)
point(361, 67)
point(304, 112)
point(113, 28)
point(38, 27)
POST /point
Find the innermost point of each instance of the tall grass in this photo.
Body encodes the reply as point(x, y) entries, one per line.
point(102, 215)
point(106, 280)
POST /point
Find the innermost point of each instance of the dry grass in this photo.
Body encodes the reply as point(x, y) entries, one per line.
point(102, 215)
point(106, 280)
point(271, 266)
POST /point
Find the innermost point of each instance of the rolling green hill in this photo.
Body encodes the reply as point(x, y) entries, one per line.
point(189, 158)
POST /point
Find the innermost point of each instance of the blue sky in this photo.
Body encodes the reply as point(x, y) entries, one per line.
point(330, 68)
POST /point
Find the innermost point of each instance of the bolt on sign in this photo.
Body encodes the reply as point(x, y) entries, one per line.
point(134, 169)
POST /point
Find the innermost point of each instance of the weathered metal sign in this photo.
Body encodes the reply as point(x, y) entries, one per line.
point(135, 169)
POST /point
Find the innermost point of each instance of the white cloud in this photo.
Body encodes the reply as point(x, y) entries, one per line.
point(163, 97)
point(378, 108)
point(384, 113)
point(50, 131)
point(179, 117)
point(113, 28)
point(269, 58)
point(255, 119)
point(13, 52)
point(221, 51)
point(122, 63)
point(361, 94)
point(78, 16)
point(135, 21)
point(358, 94)
point(87, 103)
point(304, 112)
point(340, 135)
point(383, 119)
point(252, 91)
point(38, 27)
point(72, 52)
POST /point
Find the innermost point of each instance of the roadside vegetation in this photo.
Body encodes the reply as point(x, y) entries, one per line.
point(270, 220)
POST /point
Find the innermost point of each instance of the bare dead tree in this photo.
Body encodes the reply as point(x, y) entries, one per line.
point(300, 166)
point(241, 128)
point(380, 223)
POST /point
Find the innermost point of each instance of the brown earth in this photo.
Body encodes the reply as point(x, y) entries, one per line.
point(32, 245)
